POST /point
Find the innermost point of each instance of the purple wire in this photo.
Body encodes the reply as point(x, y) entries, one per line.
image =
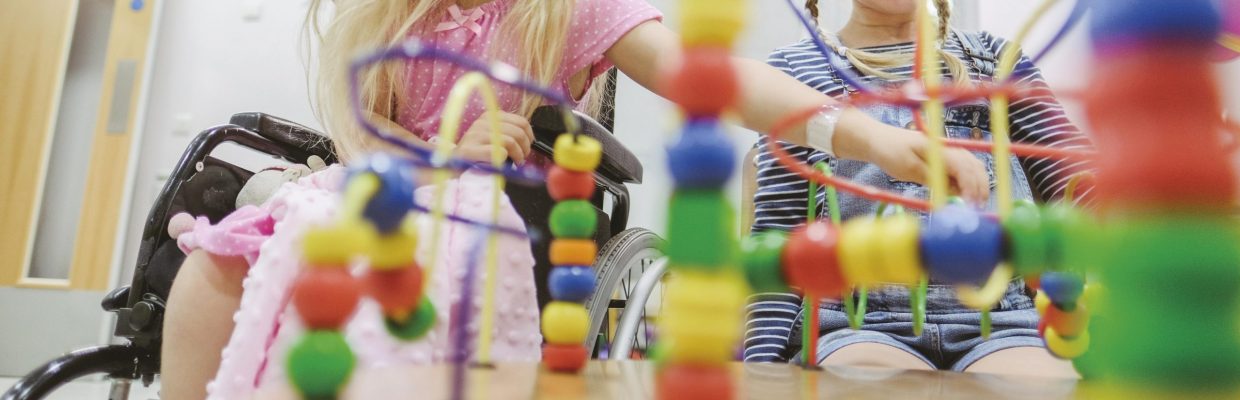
point(460, 324)
point(1078, 11)
point(845, 72)
point(414, 49)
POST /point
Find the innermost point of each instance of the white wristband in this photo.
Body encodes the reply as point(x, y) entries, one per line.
point(820, 129)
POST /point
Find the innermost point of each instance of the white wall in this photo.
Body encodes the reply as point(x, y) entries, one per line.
point(212, 60)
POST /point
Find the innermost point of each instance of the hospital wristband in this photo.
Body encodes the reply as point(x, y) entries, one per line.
point(820, 129)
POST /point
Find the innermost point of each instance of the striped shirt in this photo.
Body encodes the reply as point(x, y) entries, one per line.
point(781, 201)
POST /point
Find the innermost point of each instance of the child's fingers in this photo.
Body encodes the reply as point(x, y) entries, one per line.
point(970, 175)
point(515, 152)
point(526, 137)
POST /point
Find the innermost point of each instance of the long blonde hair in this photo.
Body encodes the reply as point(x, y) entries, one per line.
point(876, 64)
point(536, 29)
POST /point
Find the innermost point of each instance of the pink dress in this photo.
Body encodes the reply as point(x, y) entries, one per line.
point(267, 236)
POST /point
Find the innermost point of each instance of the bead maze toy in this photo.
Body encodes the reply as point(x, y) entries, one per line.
point(1153, 230)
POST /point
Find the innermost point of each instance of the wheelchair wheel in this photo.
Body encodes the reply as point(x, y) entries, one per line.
point(621, 263)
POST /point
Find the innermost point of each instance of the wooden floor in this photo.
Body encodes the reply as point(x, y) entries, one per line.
point(634, 380)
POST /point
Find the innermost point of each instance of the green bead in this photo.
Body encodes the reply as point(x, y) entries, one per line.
point(574, 219)
point(416, 325)
point(319, 364)
point(1173, 300)
point(701, 230)
point(761, 256)
point(1027, 245)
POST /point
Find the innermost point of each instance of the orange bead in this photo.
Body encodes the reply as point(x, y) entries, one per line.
point(704, 83)
point(573, 251)
point(1068, 324)
point(398, 291)
point(325, 298)
point(564, 358)
point(811, 260)
point(564, 184)
point(694, 382)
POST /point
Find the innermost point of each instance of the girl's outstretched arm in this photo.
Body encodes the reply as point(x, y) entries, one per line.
point(768, 95)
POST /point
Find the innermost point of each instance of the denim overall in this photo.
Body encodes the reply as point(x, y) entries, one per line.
point(951, 338)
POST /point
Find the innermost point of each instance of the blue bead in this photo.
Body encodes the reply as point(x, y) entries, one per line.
point(960, 245)
point(703, 156)
point(1127, 21)
point(571, 283)
point(394, 199)
point(1062, 288)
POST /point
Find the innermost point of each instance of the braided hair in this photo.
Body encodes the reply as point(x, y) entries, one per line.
point(875, 64)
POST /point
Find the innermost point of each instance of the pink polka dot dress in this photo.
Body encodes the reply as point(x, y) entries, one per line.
point(268, 236)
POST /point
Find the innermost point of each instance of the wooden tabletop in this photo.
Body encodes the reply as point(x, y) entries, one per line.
point(635, 380)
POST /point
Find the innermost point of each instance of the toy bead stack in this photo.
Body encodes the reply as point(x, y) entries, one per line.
point(1169, 259)
point(702, 321)
point(378, 197)
point(565, 321)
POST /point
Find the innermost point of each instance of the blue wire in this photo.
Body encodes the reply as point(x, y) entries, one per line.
point(841, 68)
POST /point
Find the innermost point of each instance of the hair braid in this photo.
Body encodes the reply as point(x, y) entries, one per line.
point(812, 7)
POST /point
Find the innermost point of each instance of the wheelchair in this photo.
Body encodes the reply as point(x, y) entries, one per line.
point(630, 256)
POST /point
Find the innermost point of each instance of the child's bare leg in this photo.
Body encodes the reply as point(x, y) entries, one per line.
point(1029, 361)
point(198, 323)
point(875, 355)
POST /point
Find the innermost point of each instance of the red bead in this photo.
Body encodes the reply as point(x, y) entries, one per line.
point(694, 382)
point(564, 358)
point(1034, 282)
point(564, 184)
point(811, 260)
point(1042, 327)
point(398, 291)
point(705, 82)
point(1068, 324)
point(326, 297)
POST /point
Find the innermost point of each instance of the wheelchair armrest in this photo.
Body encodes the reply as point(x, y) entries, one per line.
point(286, 132)
point(116, 299)
point(619, 164)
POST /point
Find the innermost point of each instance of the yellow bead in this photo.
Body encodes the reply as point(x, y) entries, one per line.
point(707, 292)
point(393, 251)
point(1040, 301)
point(1066, 348)
point(856, 252)
point(578, 153)
point(699, 335)
point(1093, 295)
point(572, 252)
point(337, 245)
point(565, 323)
point(897, 246)
point(712, 22)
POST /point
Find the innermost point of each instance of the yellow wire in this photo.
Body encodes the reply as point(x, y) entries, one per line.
point(932, 79)
point(999, 118)
point(1230, 41)
point(449, 127)
point(359, 191)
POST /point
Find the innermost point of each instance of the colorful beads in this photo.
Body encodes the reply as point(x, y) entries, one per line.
point(415, 324)
point(565, 323)
point(811, 260)
point(397, 291)
point(704, 83)
point(703, 309)
point(393, 198)
point(761, 257)
point(336, 245)
point(574, 219)
point(1041, 302)
point(1062, 288)
point(564, 357)
point(701, 232)
point(1065, 348)
point(571, 283)
point(1067, 323)
point(1027, 244)
point(876, 251)
point(564, 184)
point(711, 23)
point(320, 364)
point(702, 156)
point(961, 246)
point(578, 153)
point(326, 298)
point(573, 251)
point(393, 251)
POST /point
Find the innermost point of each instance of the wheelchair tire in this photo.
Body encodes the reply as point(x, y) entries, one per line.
point(617, 258)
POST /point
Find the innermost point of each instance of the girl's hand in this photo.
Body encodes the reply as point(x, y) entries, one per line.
point(902, 154)
point(515, 135)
